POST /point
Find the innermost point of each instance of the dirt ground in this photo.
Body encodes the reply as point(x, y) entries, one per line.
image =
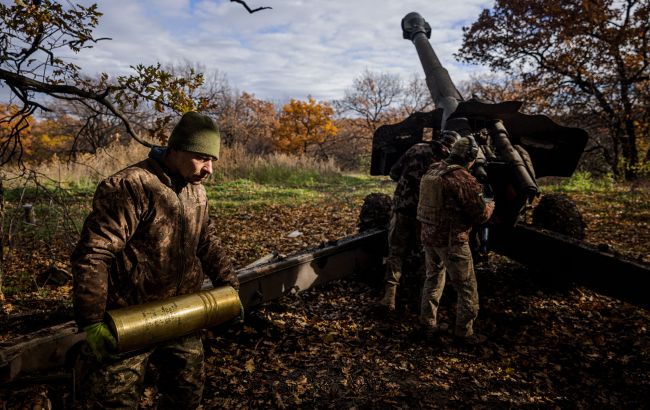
point(331, 348)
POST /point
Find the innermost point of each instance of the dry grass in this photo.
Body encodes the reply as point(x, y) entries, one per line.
point(85, 170)
point(235, 163)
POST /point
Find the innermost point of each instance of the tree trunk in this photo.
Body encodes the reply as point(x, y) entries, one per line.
point(630, 151)
point(615, 158)
point(2, 236)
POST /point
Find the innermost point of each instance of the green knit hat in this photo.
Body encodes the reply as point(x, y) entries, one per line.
point(196, 133)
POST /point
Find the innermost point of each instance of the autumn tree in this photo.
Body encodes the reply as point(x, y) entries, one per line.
point(371, 101)
point(302, 124)
point(591, 55)
point(248, 121)
point(373, 98)
point(12, 121)
point(416, 96)
point(32, 36)
point(50, 136)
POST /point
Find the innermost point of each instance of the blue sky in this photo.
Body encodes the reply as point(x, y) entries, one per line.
point(297, 49)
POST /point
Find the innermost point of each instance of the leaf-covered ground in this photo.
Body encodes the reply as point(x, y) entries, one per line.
point(331, 348)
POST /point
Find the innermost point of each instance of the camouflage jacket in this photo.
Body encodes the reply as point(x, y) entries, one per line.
point(408, 171)
point(148, 237)
point(463, 208)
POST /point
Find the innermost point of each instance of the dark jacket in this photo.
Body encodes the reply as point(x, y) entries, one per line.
point(148, 237)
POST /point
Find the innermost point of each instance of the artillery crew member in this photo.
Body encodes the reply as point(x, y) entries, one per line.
point(149, 237)
point(404, 227)
point(451, 202)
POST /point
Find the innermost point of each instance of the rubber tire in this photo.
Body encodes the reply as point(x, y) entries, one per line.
point(375, 212)
point(558, 213)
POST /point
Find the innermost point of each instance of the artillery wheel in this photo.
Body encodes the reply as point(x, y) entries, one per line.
point(375, 212)
point(558, 213)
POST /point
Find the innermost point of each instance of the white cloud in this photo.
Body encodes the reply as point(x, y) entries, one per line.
point(299, 48)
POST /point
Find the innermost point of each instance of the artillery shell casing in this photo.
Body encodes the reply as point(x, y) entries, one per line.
point(143, 325)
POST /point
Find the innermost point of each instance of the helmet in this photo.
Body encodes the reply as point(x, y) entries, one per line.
point(464, 150)
point(446, 141)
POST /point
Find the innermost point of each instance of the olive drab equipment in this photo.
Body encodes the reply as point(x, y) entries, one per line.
point(465, 149)
point(430, 207)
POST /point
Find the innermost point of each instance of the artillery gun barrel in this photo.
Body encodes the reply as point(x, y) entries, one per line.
point(448, 98)
point(442, 89)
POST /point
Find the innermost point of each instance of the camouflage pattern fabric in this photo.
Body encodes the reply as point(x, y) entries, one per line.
point(148, 237)
point(456, 261)
point(463, 207)
point(402, 238)
point(408, 171)
point(119, 384)
point(403, 235)
point(447, 249)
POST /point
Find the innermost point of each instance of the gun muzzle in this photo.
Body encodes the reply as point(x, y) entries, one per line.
point(140, 326)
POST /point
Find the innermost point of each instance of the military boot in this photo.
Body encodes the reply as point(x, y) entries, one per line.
point(388, 301)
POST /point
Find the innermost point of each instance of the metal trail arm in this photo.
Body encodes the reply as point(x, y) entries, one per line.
point(54, 347)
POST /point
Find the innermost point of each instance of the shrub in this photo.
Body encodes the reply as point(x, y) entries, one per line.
point(583, 181)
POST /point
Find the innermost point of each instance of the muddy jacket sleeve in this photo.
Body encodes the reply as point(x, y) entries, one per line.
point(214, 261)
point(112, 221)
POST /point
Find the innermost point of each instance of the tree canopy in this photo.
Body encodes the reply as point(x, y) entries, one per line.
point(304, 123)
point(33, 37)
point(590, 55)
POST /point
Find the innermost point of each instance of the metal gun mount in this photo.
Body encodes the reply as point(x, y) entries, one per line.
point(554, 150)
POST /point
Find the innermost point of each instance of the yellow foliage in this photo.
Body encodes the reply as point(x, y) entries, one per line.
point(41, 138)
point(303, 123)
point(7, 122)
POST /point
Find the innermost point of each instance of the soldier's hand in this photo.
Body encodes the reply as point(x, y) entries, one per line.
point(489, 208)
point(101, 341)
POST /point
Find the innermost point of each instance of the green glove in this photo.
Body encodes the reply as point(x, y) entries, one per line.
point(241, 313)
point(100, 340)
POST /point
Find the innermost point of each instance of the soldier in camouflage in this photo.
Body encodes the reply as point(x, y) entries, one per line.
point(404, 227)
point(149, 237)
point(451, 202)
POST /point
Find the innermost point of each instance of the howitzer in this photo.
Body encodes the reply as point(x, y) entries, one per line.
point(553, 150)
point(515, 147)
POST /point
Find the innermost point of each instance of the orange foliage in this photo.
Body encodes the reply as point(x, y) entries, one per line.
point(12, 123)
point(48, 137)
point(8, 122)
point(248, 121)
point(40, 139)
point(303, 123)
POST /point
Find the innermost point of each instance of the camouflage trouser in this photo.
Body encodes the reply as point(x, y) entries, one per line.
point(402, 237)
point(457, 262)
point(119, 384)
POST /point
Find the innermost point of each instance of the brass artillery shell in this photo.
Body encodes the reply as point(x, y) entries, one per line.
point(140, 326)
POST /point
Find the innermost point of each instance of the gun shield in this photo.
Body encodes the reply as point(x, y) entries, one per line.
point(140, 326)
